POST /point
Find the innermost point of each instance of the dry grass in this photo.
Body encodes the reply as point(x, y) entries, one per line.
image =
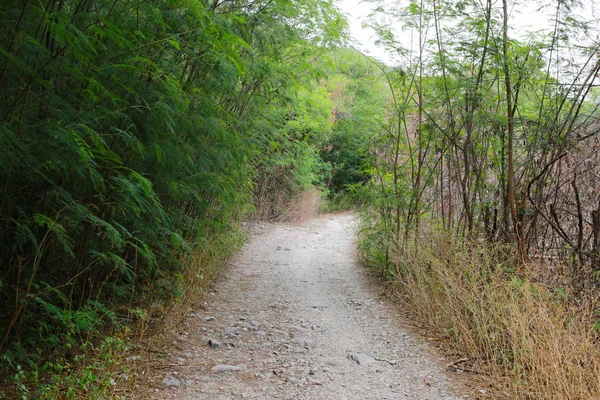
point(305, 205)
point(533, 342)
point(283, 205)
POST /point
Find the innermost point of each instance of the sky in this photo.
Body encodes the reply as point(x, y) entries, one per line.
point(357, 11)
point(524, 17)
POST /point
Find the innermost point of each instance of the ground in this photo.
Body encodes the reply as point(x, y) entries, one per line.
point(294, 316)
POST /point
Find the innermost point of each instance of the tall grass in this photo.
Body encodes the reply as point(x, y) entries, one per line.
point(533, 341)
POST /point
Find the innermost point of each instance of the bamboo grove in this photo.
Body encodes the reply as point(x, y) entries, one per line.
point(132, 134)
point(497, 135)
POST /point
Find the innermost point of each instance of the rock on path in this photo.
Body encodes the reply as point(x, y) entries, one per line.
point(295, 317)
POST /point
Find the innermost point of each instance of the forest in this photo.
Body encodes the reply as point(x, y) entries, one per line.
point(136, 137)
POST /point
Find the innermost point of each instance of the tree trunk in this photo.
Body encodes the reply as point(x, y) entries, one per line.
point(517, 222)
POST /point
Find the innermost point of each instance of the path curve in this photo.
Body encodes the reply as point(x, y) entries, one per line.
point(295, 317)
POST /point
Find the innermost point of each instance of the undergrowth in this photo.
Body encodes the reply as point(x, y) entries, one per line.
point(203, 265)
point(532, 341)
point(85, 368)
point(81, 353)
point(351, 198)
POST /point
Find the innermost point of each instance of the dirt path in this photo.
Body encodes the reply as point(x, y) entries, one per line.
point(295, 317)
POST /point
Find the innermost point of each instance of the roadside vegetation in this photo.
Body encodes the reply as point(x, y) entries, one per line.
point(483, 207)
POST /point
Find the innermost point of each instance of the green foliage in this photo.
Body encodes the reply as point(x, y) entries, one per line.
point(360, 100)
point(131, 135)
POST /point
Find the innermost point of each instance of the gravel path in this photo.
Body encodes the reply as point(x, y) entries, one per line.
point(295, 317)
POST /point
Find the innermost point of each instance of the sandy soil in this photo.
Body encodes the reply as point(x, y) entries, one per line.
point(295, 317)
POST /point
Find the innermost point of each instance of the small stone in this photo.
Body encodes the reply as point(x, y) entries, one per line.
point(214, 343)
point(362, 359)
point(229, 368)
point(231, 331)
point(224, 368)
point(303, 343)
point(329, 332)
point(208, 319)
point(172, 381)
point(292, 379)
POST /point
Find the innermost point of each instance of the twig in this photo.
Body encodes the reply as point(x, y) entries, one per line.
point(459, 361)
point(470, 371)
point(151, 350)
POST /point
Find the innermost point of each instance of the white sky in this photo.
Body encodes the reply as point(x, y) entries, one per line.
point(524, 18)
point(357, 11)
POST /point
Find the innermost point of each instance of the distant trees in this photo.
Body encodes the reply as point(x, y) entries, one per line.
point(360, 106)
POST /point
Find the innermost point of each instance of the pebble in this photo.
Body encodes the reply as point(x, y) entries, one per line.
point(303, 343)
point(362, 358)
point(329, 332)
point(172, 381)
point(231, 331)
point(229, 368)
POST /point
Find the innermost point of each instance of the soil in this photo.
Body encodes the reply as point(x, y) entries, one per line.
point(295, 317)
